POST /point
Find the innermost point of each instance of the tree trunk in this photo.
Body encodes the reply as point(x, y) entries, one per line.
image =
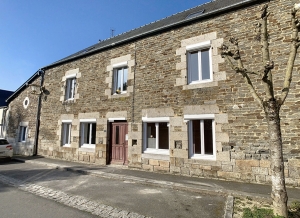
point(279, 194)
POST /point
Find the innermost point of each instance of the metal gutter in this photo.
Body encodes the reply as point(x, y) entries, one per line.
point(154, 31)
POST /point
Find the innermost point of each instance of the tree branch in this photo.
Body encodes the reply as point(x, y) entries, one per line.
point(240, 68)
point(293, 51)
point(268, 64)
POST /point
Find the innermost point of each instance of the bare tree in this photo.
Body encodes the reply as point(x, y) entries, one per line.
point(269, 102)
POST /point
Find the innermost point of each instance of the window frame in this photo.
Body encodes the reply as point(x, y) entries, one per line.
point(199, 47)
point(89, 122)
point(22, 133)
point(116, 68)
point(201, 118)
point(156, 150)
point(70, 87)
point(66, 133)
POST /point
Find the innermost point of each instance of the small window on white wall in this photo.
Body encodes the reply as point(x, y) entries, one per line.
point(88, 134)
point(66, 133)
point(22, 133)
point(199, 63)
point(201, 137)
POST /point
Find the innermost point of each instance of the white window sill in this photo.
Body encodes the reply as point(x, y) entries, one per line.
point(199, 85)
point(67, 145)
point(203, 157)
point(120, 93)
point(200, 81)
point(157, 151)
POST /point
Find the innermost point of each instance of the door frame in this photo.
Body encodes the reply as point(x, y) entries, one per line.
point(124, 160)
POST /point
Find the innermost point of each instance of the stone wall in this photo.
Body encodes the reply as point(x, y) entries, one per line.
point(158, 88)
point(23, 112)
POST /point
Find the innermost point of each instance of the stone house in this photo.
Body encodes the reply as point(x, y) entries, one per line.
point(22, 117)
point(161, 98)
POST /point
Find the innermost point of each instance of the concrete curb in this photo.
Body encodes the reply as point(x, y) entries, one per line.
point(229, 207)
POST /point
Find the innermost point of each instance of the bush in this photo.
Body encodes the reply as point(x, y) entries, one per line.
point(259, 213)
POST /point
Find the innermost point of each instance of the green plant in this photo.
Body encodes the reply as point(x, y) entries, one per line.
point(294, 210)
point(259, 213)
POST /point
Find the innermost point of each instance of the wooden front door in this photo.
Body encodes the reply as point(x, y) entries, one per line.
point(119, 150)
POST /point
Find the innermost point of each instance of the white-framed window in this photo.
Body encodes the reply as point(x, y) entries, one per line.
point(70, 88)
point(88, 133)
point(22, 133)
point(120, 75)
point(66, 133)
point(156, 135)
point(201, 136)
point(199, 63)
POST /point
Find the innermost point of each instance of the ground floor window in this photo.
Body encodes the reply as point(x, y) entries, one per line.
point(88, 134)
point(66, 134)
point(201, 137)
point(22, 133)
point(156, 137)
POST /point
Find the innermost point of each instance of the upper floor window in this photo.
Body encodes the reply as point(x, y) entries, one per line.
point(199, 63)
point(120, 80)
point(22, 133)
point(70, 88)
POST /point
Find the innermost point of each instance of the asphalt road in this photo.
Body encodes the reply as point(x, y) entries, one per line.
point(15, 203)
point(120, 195)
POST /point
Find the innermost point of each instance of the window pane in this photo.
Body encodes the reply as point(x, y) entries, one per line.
point(196, 136)
point(205, 68)
point(193, 66)
point(151, 135)
point(208, 137)
point(72, 91)
point(23, 133)
point(125, 79)
point(85, 133)
point(119, 83)
point(163, 136)
point(93, 139)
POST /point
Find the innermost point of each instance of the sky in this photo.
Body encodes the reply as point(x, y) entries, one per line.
point(36, 33)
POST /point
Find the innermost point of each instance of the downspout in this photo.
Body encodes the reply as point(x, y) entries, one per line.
point(38, 114)
point(133, 94)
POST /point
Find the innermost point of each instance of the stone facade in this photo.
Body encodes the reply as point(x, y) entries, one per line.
point(157, 89)
point(21, 121)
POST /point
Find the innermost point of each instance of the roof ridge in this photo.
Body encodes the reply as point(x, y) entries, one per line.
point(155, 21)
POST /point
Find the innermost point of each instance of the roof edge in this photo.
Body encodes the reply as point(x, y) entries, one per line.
point(37, 73)
point(154, 31)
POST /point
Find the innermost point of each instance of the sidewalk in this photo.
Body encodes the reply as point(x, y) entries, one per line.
point(192, 184)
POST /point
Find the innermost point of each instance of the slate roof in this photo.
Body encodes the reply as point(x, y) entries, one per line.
point(211, 8)
point(181, 18)
point(4, 94)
